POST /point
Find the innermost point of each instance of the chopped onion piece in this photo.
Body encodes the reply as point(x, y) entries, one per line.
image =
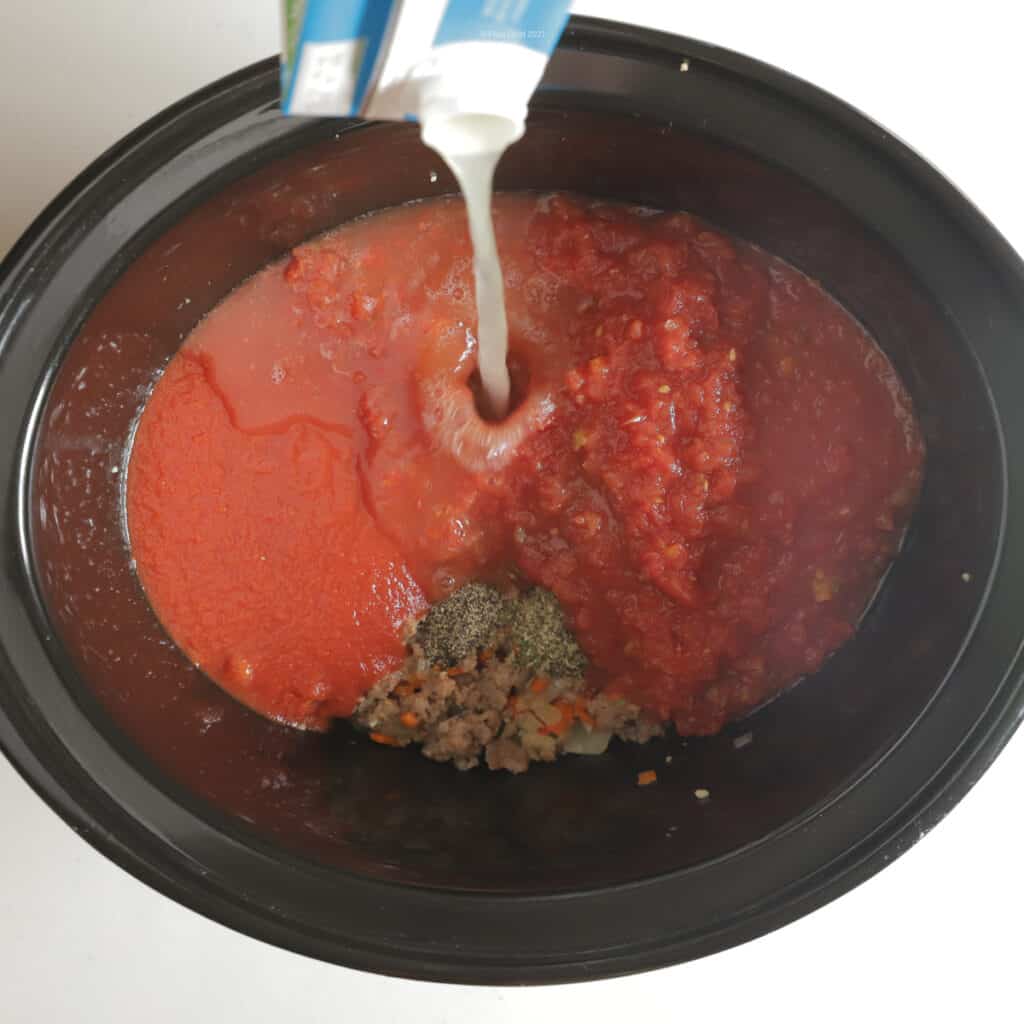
point(581, 740)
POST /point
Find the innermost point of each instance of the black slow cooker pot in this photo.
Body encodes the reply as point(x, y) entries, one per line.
point(378, 859)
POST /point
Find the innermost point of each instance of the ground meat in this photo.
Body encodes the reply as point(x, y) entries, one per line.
point(460, 739)
point(618, 716)
point(490, 709)
point(491, 705)
point(507, 755)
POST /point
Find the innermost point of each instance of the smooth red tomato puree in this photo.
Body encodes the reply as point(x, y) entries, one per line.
point(711, 467)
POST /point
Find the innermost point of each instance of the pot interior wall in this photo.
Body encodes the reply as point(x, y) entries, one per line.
point(386, 814)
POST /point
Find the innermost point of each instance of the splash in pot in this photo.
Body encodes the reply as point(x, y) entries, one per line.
point(465, 70)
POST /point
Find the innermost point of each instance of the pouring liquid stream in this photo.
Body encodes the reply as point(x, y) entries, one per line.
point(471, 145)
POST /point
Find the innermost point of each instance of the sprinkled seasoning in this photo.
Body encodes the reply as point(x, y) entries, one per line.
point(541, 640)
point(461, 624)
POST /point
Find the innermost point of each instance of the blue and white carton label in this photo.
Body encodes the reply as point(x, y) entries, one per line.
point(394, 59)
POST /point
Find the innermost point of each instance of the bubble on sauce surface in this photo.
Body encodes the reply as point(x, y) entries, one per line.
point(444, 581)
point(279, 780)
point(542, 290)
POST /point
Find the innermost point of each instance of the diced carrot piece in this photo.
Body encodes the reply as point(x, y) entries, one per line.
point(409, 719)
point(581, 712)
point(539, 685)
point(384, 739)
point(563, 725)
point(646, 778)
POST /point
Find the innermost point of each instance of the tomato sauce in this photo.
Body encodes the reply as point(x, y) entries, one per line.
point(711, 463)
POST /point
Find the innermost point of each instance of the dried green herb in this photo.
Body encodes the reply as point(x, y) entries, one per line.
point(540, 638)
point(461, 624)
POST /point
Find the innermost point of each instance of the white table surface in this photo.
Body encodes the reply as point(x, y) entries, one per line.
point(934, 935)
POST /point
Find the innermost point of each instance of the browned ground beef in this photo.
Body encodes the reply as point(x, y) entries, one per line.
point(488, 708)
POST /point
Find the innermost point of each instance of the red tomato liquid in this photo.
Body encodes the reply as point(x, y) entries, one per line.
point(711, 467)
